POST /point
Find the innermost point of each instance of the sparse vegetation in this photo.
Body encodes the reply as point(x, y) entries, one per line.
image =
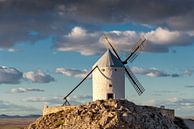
point(58, 123)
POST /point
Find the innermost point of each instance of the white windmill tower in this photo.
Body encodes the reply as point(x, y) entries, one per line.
point(109, 78)
point(108, 75)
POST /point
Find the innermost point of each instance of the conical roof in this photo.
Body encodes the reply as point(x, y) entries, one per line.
point(108, 60)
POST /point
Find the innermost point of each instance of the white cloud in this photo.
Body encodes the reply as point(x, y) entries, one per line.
point(76, 99)
point(166, 37)
point(77, 33)
point(12, 50)
point(163, 36)
point(80, 40)
point(90, 43)
point(182, 106)
point(150, 102)
point(15, 109)
point(38, 77)
point(9, 49)
point(24, 90)
point(9, 75)
point(182, 101)
point(188, 72)
point(53, 17)
point(79, 97)
point(44, 99)
point(152, 72)
point(72, 72)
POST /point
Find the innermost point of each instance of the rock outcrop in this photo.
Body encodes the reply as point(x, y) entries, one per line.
point(106, 114)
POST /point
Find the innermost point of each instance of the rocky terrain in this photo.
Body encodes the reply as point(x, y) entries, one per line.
point(106, 114)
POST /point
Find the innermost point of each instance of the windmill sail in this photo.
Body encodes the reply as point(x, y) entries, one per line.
point(134, 54)
point(65, 98)
point(136, 84)
point(117, 55)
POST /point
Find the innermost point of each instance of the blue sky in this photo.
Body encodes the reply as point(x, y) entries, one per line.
point(47, 47)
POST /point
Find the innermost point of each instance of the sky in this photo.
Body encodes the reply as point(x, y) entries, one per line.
point(48, 46)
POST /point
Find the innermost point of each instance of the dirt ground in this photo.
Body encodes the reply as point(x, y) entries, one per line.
point(15, 123)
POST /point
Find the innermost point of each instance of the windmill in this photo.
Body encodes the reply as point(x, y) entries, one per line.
point(108, 74)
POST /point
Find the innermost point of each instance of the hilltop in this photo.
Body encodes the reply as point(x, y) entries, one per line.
point(110, 114)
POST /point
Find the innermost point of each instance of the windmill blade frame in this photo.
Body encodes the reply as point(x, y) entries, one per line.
point(134, 50)
point(133, 79)
point(134, 57)
point(65, 98)
point(117, 55)
point(66, 103)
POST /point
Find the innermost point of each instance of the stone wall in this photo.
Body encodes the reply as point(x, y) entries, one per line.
point(48, 110)
point(168, 113)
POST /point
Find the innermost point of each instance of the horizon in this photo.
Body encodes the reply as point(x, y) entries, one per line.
point(47, 47)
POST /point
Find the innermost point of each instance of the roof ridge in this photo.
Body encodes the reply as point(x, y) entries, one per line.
point(108, 59)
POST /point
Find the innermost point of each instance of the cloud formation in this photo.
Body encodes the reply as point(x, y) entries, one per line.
point(24, 90)
point(80, 40)
point(54, 100)
point(90, 43)
point(183, 105)
point(167, 37)
point(38, 77)
point(10, 75)
point(152, 72)
point(14, 109)
point(9, 49)
point(31, 20)
point(189, 86)
point(188, 72)
point(182, 101)
point(110, 11)
point(79, 97)
point(76, 99)
point(155, 12)
point(72, 72)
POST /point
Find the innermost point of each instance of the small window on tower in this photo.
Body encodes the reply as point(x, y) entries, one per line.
point(110, 85)
point(103, 70)
point(115, 69)
point(110, 96)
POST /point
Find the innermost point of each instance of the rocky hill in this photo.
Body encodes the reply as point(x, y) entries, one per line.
point(106, 114)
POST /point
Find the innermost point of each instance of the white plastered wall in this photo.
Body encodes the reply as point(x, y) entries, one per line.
point(102, 77)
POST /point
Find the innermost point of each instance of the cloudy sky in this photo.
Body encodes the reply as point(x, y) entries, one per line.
point(48, 46)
